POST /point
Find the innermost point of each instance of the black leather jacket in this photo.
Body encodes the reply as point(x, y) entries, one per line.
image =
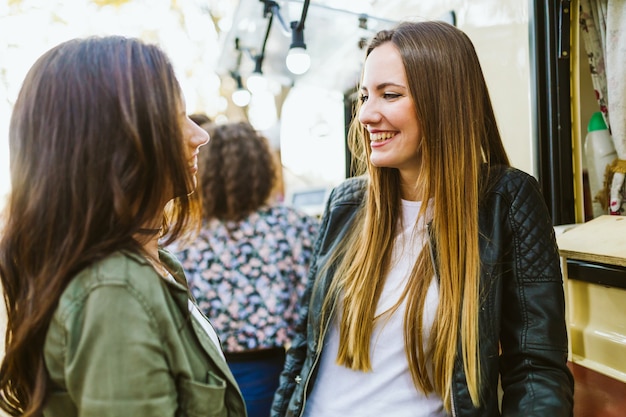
point(522, 306)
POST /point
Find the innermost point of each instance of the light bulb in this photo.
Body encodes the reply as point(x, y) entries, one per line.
point(298, 60)
point(256, 83)
point(241, 97)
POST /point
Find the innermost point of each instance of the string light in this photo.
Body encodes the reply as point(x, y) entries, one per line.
point(298, 60)
point(241, 96)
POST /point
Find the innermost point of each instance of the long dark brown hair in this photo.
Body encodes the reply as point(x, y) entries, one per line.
point(459, 140)
point(96, 150)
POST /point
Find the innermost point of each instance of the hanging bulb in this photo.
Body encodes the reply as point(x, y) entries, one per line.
point(298, 60)
point(241, 96)
point(256, 82)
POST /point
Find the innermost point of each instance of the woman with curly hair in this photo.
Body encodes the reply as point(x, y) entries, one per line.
point(248, 266)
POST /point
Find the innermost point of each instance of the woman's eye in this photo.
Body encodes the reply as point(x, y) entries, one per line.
point(386, 96)
point(391, 95)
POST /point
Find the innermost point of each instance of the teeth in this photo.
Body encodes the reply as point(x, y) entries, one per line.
point(378, 137)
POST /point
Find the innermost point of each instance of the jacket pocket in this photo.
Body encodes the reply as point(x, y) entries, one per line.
point(199, 399)
point(59, 404)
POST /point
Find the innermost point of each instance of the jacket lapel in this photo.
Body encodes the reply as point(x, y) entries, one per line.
point(181, 294)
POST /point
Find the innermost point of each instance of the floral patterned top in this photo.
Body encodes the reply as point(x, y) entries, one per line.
point(249, 276)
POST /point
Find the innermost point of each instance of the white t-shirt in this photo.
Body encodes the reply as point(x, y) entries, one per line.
point(388, 389)
point(206, 325)
point(201, 319)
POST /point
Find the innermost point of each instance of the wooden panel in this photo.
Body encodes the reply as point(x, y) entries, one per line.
point(602, 240)
point(597, 395)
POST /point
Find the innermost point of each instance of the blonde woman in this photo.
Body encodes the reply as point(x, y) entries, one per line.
point(436, 273)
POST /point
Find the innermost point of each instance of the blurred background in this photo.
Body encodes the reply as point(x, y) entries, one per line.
point(231, 59)
point(291, 67)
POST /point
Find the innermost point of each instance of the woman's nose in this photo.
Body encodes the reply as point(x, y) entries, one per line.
point(368, 113)
point(200, 137)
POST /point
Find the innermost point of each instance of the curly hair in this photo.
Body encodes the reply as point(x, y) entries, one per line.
point(237, 171)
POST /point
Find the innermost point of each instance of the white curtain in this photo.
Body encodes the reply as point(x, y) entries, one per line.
point(603, 30)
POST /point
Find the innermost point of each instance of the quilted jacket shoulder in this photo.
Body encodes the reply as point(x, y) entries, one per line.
point(349, 191)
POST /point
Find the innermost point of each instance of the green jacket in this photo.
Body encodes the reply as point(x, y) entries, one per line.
point(123, 343)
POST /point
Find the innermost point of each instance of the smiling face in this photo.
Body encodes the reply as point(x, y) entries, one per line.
point(388, 112)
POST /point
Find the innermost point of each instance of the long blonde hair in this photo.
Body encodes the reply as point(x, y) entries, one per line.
point(460, 140)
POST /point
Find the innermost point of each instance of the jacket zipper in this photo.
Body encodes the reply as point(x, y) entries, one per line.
point(314, 365)
point(452, 406)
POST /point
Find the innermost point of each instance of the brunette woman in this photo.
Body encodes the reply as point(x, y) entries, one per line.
point(100, 319)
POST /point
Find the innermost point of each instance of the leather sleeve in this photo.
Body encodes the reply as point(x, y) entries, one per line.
point(535, 377)
point(298, 350)
point(338, 216)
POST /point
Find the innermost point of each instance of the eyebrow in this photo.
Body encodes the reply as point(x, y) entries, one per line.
point(385, 85)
